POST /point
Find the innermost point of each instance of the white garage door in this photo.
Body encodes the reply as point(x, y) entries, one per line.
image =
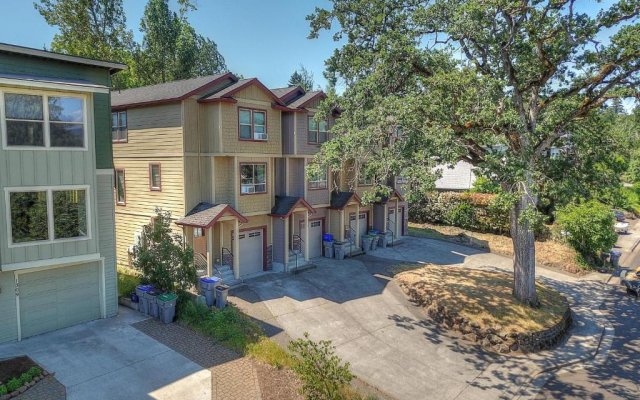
point(362, 221)
point(392, 221)
point(315, 238)
point(251, 246)
point(58, 298)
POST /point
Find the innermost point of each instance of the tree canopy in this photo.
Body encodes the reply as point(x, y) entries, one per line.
point(302, 77)
point(493, 82)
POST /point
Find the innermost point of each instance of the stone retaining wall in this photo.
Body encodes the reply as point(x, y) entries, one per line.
point(493, 338)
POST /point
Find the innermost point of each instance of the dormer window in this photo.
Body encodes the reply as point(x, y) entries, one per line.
point(252, 124)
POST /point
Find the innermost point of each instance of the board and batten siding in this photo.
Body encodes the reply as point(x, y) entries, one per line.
point(44, 168)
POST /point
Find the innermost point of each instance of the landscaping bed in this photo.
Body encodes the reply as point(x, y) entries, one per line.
point(480, 305)
point(549, 253)
point(17, 375)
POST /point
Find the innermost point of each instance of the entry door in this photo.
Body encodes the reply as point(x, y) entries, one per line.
point(315, 237)
point(392, 221)
point(362, 221)
point(251, 251)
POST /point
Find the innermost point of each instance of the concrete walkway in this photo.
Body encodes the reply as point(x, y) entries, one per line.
point(109, 359)
point(355, 304)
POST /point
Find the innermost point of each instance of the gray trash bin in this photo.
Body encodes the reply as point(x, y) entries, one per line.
point(167, 307)
point(207, 288)
point(366, 243)
point(339, 250)
point(143, 304)
point(152, 297)
point(615, 258)
point(382, 240)
point(328, 248)
point(221, 296)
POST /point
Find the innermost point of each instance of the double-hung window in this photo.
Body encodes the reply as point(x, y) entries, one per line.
point(317, 130)
point(253, 178)
point(252, 124)
point(36, 120)
point(48, 214)
point(119, 130)
point(318, 180)
point(121, 190)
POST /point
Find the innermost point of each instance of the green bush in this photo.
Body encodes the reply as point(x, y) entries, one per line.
point(34, 372)
point(3, 390)
point(484, 185)
point(462, 215)
point(14, 384)
point(323, 375)
point(588, 227)
point(127, 284)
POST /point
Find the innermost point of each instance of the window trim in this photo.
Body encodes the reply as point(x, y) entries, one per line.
point(151, 187)
point(50, 216)
point(317, 131)
point(253, 133)
point(326, 182)
point(46, 132)
point(266, 178)
point(124, 186)
point(126, 139)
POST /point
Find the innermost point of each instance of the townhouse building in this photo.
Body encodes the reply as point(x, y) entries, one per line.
point(227, 157)
point(57, 242)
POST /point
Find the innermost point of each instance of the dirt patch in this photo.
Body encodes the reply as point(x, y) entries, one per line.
point(14, 367)
point(549, 253)
point(278, 383)
point(479, 304)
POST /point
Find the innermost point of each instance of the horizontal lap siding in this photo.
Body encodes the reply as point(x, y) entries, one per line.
point(255, 203)
point(224, 180)
point(296, 177)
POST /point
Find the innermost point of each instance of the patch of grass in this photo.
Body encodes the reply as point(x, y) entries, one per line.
point(270, 352)
point(483, 297)
point(422, 231)
point(127, 283)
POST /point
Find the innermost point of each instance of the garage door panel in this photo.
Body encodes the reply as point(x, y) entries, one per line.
point(315, 238)
point(58, 298)
point(251, 251)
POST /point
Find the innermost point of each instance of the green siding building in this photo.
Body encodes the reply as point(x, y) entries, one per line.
point(57, 242)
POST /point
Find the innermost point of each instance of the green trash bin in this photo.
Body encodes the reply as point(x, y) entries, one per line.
point(167, 307)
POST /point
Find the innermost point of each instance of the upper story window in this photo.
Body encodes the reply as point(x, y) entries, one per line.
point(155, 177)
point(119, 130)
point(317, 130)
point(121, 189)
point(252, 124)
point(44, 121)
point(253, 178)
point(48, 215)
point(364, 179)
point(318, 181)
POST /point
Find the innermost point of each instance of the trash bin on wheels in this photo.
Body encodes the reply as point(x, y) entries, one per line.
point(143, 303)
point(339, 251)
point(382, 240)
point(207, 287)
point(366, 243)
point(167, 307)
point(221, 296)
point(328, 248)
point(152, 301)
point(615, 257)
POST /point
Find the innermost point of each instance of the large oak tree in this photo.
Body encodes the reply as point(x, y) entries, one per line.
point(493, 82)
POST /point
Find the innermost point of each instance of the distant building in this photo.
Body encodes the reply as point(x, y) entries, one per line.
point(459, 178)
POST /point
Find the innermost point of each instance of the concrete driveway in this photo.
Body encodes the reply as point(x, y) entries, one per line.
point(109, 359)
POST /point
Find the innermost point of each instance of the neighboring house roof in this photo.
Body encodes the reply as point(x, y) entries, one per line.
point(300, 102)
point(285, 205)
point(460, 177)
point(66, 83)
point(226, 94)
point(168, 91)
point(339, 200)
point(113, 67)
point(281, 93)
point(204, 215)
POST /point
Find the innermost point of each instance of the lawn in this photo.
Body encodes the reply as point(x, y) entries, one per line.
point(481, 297)
point(549, 253)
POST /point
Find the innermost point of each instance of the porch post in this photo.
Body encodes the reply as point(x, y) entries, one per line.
point(286, 244)
point(209, 235)
point(397, 219)
point(342, 226)
point(357, 225)
point(306, 235)
point(236, 249)
point(385, 217)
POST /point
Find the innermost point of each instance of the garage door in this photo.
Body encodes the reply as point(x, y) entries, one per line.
point(315, 238)
point(392, 221)
point(362, 221)
point(58, 298)
point(251, 246)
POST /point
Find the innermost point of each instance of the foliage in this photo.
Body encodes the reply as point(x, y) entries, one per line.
point(127, 284)
point(3, 390)
point(16, 383)
point(588, 227)
point(631, 196)
point(161, 257)
point(321, 371)
point(303, 78)
point(484, 185)
point(268, 351)
point(462, 214)
point(492, 82)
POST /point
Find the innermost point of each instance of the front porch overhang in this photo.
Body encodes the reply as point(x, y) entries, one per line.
point(287, 205)
point(205, 215)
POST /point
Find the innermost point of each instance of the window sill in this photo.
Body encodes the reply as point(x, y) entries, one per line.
point(253, 140)
point(55, 241)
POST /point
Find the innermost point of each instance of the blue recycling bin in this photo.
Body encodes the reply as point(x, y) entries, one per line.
point(143, 304)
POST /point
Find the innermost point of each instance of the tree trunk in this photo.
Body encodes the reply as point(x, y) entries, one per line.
point(524, 251)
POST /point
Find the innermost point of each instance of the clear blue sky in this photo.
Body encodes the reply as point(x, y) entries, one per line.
point(258, 38)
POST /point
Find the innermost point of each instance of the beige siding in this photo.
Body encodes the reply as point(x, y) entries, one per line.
point(197, 180)
point(335, 227)
point(223, 180)
point(190, 122)
point(256, 203)
point(209, 125)
point(152, 130)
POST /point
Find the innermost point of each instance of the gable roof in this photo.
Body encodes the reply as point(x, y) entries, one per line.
point(168, 91)
point(285, 205)
point(306, 98)
point(113, 67)
point(204, 215)
point(283, 92)
point(339, 200)
point(226, 94)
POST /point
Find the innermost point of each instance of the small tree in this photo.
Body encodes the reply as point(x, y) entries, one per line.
point(302, 78)
point(162, 258)
point(589, 227)
point(322, 374)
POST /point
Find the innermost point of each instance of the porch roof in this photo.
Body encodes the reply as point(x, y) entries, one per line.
point(394, 194)
point(204, 215)
point(339, 200)
point(285, 205)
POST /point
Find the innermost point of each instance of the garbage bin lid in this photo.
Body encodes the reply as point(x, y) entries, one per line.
point(616, 252)
point(153, 293)
point(144, 288)
point(168, 297)
point(209, 279)
point(222, 287)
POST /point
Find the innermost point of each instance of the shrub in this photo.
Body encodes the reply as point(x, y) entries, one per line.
point(484, 185)
point(127, 284)
point(3, 390)
point(461, 215)
point(14, 384)
point(588, 227)
point(323, 375)
point(35, 372)
point(161, 257)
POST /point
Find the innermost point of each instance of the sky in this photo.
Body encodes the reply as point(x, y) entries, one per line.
point(258, 38)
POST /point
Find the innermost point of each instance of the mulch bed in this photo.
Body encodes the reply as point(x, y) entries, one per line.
point(14, 367)
point(277, 384)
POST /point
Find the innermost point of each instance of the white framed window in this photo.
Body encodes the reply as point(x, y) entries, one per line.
point(252, 124)
point(318, 181)
point(40, 215)
point(253, 178)
point(119, 130)
point(37, 120)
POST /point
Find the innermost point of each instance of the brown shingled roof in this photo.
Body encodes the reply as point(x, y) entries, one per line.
point(227, 93)
point(339, 200)
point(285, 205)
point(309, 96)
point(204, 215)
